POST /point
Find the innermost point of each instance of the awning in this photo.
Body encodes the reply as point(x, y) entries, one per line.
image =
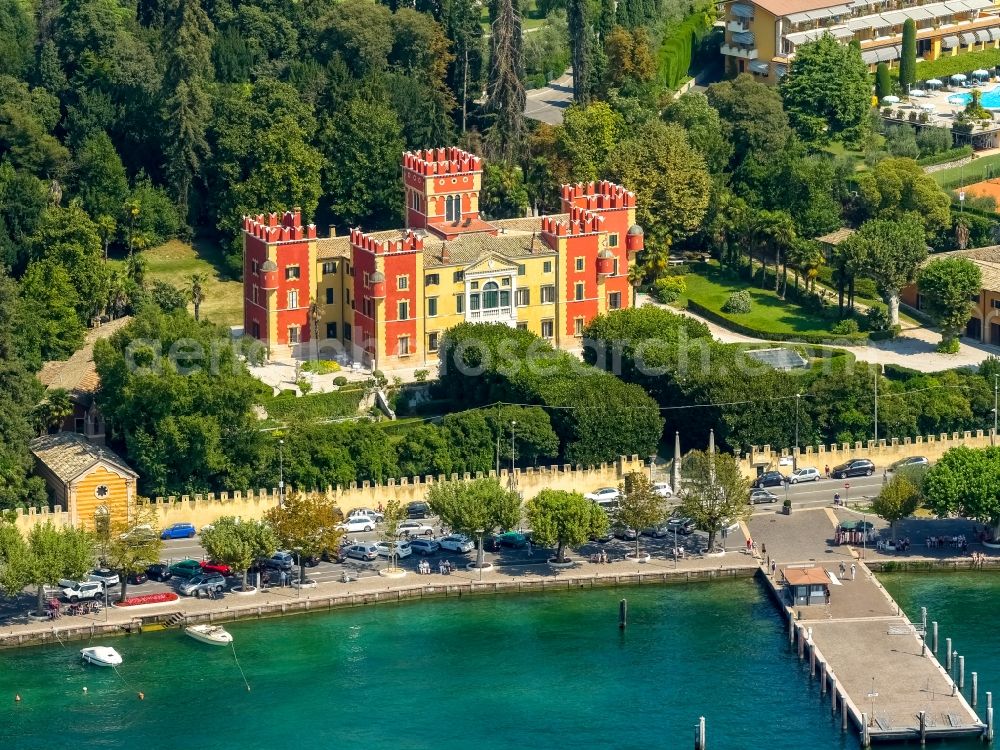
point(983, 35)
point(741, 10)
point(870, 56)
point(994, 34)
point(949, 42)
point(978, 4)
point(967, 38)
point(865, 22)
point(780, 70)
point(895, 17)
point(956, 6)
point(885, 54)
point(759, 66)
point(744, 37)
point(841, 32)
point(798, 17)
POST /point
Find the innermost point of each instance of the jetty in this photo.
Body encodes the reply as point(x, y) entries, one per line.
point(882, 673)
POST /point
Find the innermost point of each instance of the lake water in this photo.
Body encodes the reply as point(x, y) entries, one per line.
point(500, 672)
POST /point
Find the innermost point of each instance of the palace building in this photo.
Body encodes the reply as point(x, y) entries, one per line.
point(761, 36)
point(384, 299)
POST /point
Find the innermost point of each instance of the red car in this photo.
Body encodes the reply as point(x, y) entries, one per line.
point(216, 567)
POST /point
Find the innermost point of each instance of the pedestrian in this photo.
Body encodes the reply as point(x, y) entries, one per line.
point(843, 570)
point(827, 589)
point(529, 548)
point(749, 546)
point(763, 550)
point(826, 471)
point(774, 568)
point(854, 571)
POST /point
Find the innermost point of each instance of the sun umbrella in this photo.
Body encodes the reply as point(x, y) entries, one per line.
point(890, 99)
point(980, 73)
point(933, 83)
point(927, 107)
point(958, 77)
point(918, 92)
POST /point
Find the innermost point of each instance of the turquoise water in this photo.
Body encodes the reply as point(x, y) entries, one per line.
point(501, 673)
point(990, 99)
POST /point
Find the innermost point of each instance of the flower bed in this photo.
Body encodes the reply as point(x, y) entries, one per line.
point(138, 601)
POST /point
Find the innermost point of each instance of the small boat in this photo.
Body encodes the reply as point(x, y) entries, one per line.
point(214, 635)
point(102, 656)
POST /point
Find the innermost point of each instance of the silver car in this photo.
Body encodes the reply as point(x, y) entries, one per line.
point(205, 582)
point(456, 543)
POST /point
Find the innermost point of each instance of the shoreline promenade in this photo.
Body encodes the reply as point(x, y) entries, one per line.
point(864, 651)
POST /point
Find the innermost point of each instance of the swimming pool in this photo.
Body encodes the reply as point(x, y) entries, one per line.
point(990, 99)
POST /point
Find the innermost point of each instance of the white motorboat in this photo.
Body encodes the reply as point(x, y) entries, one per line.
point(214, 635)
point(102, 656)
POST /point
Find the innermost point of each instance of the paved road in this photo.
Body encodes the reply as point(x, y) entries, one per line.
point(548, 103)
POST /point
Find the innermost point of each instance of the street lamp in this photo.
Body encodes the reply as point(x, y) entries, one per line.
point(479, 562)
point(513, 481)
point(652, 462)
point(281, 472)
point(993, 437)
point(795, 454)
point(873, 695)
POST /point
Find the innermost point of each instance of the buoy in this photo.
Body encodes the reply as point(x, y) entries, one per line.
point(85, 690)
point(142, 696)
point(17, 698)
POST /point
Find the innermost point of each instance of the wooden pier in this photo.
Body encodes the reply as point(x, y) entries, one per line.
point(872, 665)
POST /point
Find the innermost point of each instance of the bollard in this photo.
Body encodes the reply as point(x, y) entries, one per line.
point(947, 654)
point(923, 621)
point(833, 695)
point(802, 645)
point(866, 739)
point(700, 738)
point(961, 673)
point(989, 724)
point(975, 689)
point(812, 660)
point(791, 628)
point(923, 727)
point(934, 642)
point(843, 714)
point(623, 613)
point(822, 678)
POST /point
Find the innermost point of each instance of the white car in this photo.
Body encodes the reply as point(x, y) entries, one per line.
point(106, 576)
point(402, 549)
point(83, 590)
point(357, 523)
point(663, 489)
point(457, 543)
point(373, 514)
point(414, 528)
point(604, 494)
point(805, 474)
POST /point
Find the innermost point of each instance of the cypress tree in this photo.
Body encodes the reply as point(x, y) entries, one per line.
point(607, 21)
point(908, 58)
point(883, 86)
point(579, 42)
point(505, 97)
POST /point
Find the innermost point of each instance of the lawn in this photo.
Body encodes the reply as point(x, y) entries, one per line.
point(983, 168)
point(856, 157)
point(174, 262)
point(710, 286)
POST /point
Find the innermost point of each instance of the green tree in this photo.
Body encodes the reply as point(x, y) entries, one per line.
point(671, 185)
point(587, 137)
point(239, 543)
point(580, 47)
point(475, 508)
point(895, 187)
point(908, 56)
point(883, 84)
point(48, 554)
point(564, 519)
point(168, 298)
point(503, 195)
point(639, 507)
point(505, 97)
point(534, 438)
point(394, 513)
point(897, 500)
point(893, 252)
point(55, 409)
point(966, 482)
point(715, 492)
point(946, 285)
point(197, 292)
point(704, 129)
point(753, 117)
point(827, 91)
point(51, 302)
point(307, 525)
point(131, 547)
point(100, 177)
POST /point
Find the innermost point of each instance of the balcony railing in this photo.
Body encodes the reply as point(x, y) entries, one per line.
point(736, 50)
point(737, 26)
point(495, 313)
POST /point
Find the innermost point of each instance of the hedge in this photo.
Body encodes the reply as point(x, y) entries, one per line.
point(673, 58)
point(853, 339)
point(313, 407)
point(952, 154)
point(947, 66)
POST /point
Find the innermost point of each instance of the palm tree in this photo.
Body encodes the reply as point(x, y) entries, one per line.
point(805, 258)
point(106, 228)
point(55, 409)
point(197, 295)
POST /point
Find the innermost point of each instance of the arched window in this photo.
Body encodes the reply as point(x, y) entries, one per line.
point(102, 520)
point(491, 296)
point(453, 208)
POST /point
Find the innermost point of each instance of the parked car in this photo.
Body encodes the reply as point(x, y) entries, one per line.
point(626, 533)
point(424, 546)
point(858, 467)
point(414, 528)
point(159, 572)
point(185, 568)
point(681, 525)
point(607, 536)
point(510, 539)
point(357, 523)
point(758, 497)
point(456, 543)
point(770, 479)
point(657, 532)
point(373, 514)
point(605, 493)
point(203, 582)
point(216, 567)
point(107, 576)
point(403, 549)
point(281, 560)
point(418, 510)
point(366, 551)
point(141, 533)
point(663, 489)
point(83, 590)
point(805, 474)
point(911, 461)
point(137, 579)
point(310, 561)
point(178, 531)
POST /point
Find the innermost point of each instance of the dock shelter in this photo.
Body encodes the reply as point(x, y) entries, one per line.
point(807, 585)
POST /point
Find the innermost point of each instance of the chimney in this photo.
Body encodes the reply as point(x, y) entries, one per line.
point(445, 256)
point(333, 230)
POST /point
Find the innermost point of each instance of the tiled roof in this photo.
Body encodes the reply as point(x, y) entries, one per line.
point(68, 455)
point(805, 576)
point(836, 236)
point(785, 7)
point(987, 258)
point(78, 374)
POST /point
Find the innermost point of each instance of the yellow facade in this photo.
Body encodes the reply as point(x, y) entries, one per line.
point(100, 488)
